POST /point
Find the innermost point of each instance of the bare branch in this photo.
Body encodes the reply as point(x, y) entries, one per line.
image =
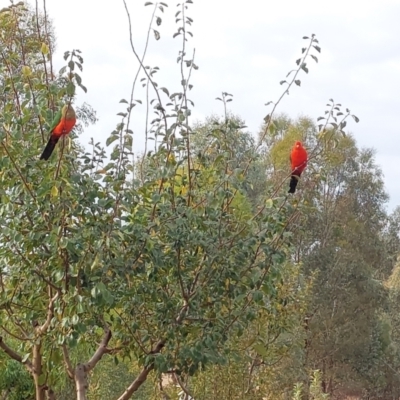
point(10, 352)
point(9, 312)
point(15, 356)
point(141, 378)
point(143, 67)
point(143, 375)
point(12, 334)
point(50, 313)
point(158, 347)
point(141, 64)
point(44, 279)
point(182, 385)
point(101, 350)
point(19, 172)
point(113, 350)
point(182, 313)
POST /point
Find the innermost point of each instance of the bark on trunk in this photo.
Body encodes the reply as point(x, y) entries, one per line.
point(40, 392)
point(80, 382)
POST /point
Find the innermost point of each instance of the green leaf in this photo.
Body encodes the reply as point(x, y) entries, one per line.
point(45, 49)
point(83, 88)
point(63, 242)
point(78, 79)
point(165, 90)
point(104, 293)
point(111, 139)
point(269, 203)
point(70, 89)
point(261, 350)
point(25, 358)
point(54, 191)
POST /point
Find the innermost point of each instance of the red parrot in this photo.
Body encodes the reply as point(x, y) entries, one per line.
point(62, 124)
point(298, 160)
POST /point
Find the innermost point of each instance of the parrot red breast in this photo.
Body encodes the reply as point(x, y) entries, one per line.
point(298, 160)
point(62, 124)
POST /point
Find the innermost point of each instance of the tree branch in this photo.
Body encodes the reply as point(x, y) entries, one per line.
point(19, 172)
point(15, 356)
point(41, 276)
point(141, 378)
point(67, 361)
point(182, 385)
point(101, 350)
point(13, 335)
point(50, 313)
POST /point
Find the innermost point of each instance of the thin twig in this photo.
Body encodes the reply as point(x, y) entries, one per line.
point(67, 361)
point(18, 171)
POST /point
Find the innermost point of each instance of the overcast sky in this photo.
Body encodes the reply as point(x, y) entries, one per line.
point(246, 48)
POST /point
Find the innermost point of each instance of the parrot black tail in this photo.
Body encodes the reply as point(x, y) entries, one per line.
point(293, 183)
point(51, 144)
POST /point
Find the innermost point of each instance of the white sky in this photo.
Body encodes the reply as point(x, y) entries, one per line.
point(246, 48)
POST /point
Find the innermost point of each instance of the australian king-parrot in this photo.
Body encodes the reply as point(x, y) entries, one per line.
point(62, 124)
point(298, 160)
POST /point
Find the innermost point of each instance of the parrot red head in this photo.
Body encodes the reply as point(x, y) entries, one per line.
point(298, 144)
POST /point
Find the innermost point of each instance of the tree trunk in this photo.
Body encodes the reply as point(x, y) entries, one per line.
point(80, 382)
point(40, 391)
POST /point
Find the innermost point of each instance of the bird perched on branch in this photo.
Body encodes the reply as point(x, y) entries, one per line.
point(62, 124)
point(298, 160)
